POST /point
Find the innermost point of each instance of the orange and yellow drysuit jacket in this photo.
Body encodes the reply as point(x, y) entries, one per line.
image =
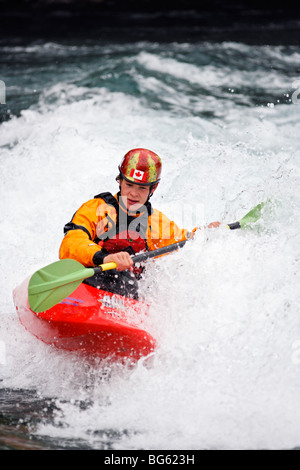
point(104, 221)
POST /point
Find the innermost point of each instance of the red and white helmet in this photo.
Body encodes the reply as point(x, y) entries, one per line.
point(141, 166)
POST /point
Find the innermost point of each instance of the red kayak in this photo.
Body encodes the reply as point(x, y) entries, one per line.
point(90, 321)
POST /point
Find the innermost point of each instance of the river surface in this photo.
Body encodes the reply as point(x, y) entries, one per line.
point(224, 116)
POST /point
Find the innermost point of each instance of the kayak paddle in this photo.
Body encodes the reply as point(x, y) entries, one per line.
point(53, 283)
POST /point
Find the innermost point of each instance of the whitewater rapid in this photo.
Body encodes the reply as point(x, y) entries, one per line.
point(225, 309)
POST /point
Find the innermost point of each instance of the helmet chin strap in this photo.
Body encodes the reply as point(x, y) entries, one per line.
point(152, 189)
point(150, 193)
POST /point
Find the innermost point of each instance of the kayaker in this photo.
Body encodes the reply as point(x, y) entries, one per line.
point(110, 228)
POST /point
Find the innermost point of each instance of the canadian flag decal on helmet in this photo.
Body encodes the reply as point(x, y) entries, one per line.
point(137, 174)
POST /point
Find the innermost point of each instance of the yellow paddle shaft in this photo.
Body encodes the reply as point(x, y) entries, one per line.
point(107, 266)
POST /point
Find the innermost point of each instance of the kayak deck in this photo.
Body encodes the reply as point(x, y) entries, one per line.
point(90, 321)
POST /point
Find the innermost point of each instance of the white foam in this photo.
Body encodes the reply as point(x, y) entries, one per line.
point(225, 310)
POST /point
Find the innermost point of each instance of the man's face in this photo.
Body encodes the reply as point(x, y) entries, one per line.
point(133, 195)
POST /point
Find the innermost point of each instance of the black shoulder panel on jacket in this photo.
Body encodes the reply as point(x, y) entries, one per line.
point(71, 226)
point(108, 198)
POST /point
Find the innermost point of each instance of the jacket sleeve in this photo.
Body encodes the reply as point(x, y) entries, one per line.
point(78, 242)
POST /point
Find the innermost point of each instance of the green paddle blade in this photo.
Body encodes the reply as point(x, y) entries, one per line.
point(53, 283)
point(252, 216)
